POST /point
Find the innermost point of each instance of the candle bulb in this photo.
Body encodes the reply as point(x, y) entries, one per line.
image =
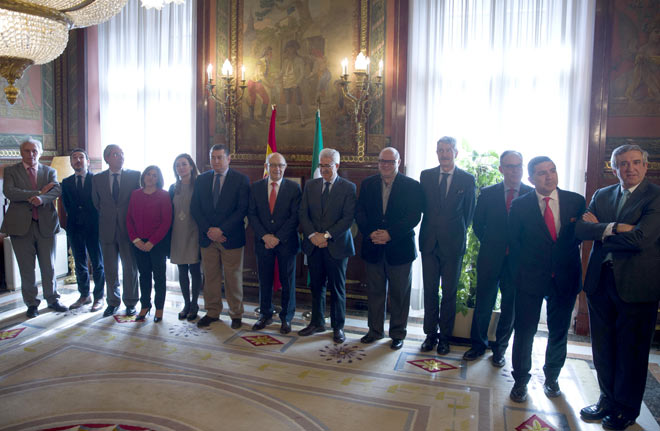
point(227, 70)
point(361, 63)
point(209, 72)
point(380, 69)
point(344, 66)
point(368, 64)
point(243, 73)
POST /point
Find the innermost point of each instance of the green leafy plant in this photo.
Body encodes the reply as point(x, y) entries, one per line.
point(484, 167)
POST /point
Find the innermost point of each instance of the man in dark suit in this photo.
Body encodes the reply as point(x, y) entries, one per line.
point(111, 193)
point(326, 215)
point(622, 285)
point(219, 205)
point(388, 209)
point(273, 215)
point(490, 226)
point(544, 255)
point(448, 208)
point(31, 222)
point(82, 229)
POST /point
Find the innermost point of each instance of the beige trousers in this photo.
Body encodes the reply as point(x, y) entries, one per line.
point(217, 262)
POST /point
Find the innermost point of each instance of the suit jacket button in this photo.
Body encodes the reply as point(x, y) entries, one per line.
point(272, 221)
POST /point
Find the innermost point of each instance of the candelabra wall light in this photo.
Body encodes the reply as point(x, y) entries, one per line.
point(229, 97)
point(362, 95)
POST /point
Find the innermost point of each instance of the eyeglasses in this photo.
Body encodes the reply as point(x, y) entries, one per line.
point(387, 162)
point(518, 166)
point(323, 165)
point(277, 165)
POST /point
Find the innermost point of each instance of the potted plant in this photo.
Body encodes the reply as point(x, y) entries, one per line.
point(485, 168)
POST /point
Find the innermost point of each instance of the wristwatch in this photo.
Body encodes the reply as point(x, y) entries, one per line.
point(326, 235)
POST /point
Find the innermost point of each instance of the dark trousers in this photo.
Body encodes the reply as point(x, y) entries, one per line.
point(528, 311)
point(436, 314)
point(184, 283)
point(487, 286)
point(395, 280)
point(621, 335)
point(286, 265)
point(82, 243)
point(151, 265)
point(326, 271)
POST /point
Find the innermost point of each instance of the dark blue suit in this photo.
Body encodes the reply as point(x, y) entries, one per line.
point(442, 243)
point(82, 230)
point(543, 268)
point(389, 265)
point(329, 263)
point(283, 224)
point(623, 293)
point(490, 227)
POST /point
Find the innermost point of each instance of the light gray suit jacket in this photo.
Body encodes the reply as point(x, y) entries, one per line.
point(112, 215)
point(18, 189)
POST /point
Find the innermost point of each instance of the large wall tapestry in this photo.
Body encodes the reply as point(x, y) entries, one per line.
point(292, 50)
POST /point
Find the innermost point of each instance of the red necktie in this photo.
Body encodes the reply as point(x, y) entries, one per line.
point(273, 196)
point(549, 219)
point(509, 198)
point(33, 180)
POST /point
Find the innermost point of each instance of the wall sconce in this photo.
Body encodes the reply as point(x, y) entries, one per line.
point(230, 97)
point(362, 93)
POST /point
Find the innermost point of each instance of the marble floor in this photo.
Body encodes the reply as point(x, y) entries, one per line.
point(60, 371)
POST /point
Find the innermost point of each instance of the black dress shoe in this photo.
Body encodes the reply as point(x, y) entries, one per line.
point(158, 316)
point(236, 323)
point(397, 343)
point(443, 347)
point(143, 314)
point(594, 412)
point(285, 328)
point(498, 360)
point(261, 324)
point(130, 310)
point(551, 389)
point(110, 310)
point(58, 306)
point(206, 321)
point(617, 421)
point(338, 336)
point(518, 393)
point(429, 343)
point(368, 339)
point(32, 311)
point(473, 354)
point(311, 329)
point(183, 314)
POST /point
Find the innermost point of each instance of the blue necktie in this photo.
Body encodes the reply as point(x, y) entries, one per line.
point(216, 189)
point(115, 188)
point(325, 196)
point(622, 202)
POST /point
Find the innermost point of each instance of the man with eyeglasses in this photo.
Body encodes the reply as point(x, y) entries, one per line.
point(388, 209)
point(448, 208)
point(490, 226)
point(273, 215)
point(326, 214)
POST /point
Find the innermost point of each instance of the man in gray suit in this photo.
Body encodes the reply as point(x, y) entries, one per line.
point(326, 215)
point(111, 192)
point(31, 222)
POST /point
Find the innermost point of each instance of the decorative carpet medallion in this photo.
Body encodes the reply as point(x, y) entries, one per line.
point(121, 318)
point(10, 333)
point(343, 353)
point(534, 423)
point(186, 330)
point(261, 340)
point(98, 427)
point(432, 365)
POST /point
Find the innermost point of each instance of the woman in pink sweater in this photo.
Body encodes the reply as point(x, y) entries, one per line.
point(148, 222)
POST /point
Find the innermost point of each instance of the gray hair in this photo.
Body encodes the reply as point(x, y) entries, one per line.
point(268, 157)
point(393, 150)
point(34, 142)
point(447, 140)
point(330, 153)
point(624, 149)
point(509, 152)
point(108, 149)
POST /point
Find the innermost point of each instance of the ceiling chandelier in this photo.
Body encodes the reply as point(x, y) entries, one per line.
point(37, 31)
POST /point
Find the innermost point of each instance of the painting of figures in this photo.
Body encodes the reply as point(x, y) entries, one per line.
point(292, 51)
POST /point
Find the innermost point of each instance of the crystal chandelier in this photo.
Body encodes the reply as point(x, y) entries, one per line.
point(37, 31)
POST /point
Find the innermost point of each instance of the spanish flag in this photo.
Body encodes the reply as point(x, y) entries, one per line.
point(271, 147)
